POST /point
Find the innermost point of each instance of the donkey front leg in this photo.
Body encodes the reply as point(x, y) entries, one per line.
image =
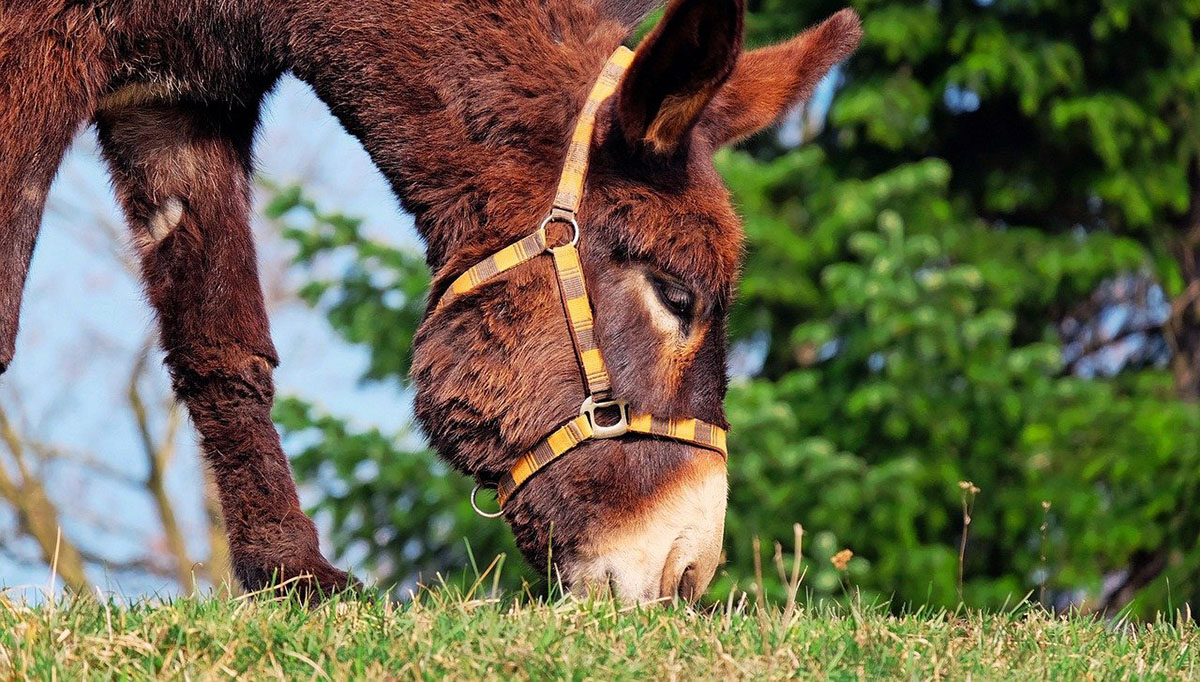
point(183, 177)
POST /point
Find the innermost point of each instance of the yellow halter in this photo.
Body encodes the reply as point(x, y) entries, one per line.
point(578, 309)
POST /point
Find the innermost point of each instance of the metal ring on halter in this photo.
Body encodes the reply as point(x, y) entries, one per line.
point(558, 215)
point(620, 428)
point(486, 515)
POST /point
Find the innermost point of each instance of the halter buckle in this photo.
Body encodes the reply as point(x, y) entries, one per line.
point(558, 215)
point(620, 428)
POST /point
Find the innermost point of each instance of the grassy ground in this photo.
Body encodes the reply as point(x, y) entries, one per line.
point(444, 635)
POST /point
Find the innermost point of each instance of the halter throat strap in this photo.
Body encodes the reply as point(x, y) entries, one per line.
point(578, 310)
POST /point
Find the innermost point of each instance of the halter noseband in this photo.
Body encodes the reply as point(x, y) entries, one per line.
point(578, 309)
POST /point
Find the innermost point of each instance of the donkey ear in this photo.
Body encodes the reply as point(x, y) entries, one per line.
point(628, 12)
point(678, 68)
point(768, 82)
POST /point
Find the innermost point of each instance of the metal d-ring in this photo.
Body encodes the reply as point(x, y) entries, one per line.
point(558, 215)
point(487, 515)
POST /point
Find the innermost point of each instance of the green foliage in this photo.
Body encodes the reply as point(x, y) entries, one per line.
point(377, 299)
point(1122, 460)
point(396, 508)
point(1051, 112)
point(909, 349)
point(912, 342)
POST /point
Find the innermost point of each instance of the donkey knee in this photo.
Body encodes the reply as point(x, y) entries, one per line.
point(231, 373)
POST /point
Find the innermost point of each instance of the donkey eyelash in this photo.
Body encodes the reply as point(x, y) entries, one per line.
point(675, 296)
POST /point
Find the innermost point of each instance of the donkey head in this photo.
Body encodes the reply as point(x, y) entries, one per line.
point(660, 247)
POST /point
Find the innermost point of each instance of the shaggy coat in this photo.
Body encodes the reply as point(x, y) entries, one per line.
point(466, 107)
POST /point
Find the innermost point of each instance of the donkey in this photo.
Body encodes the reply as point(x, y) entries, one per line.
point(467, 108)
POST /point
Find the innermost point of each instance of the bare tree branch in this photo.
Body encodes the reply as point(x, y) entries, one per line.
point(49, 455)
point(158, 456)
point(219, 569)
point(147, 565)
point(37, 515)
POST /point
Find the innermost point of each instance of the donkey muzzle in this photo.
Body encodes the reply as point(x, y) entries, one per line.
point(669, 549)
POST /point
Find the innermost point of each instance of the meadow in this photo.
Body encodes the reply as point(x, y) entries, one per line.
point(455, 633)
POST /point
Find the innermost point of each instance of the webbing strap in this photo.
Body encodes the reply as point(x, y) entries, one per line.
point(579, 313)
point(562, 440)
point(570, 185)
point(694, 431)
point(569, 435)
point(507, 258)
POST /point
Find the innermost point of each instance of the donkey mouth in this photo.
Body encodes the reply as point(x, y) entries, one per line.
point(668, 551)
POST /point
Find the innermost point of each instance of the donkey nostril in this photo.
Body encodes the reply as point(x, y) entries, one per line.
point(688, 588)
point(672, 572)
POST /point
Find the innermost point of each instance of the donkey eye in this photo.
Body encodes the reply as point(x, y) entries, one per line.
point(676, 297)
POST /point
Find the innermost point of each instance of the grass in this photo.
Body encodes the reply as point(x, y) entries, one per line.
point(443, 633)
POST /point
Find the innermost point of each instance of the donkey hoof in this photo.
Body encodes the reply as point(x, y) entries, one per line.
point(318, 585)
point(309, 581)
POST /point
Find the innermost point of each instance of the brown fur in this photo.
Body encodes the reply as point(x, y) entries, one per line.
point(767, 81)
point(467, 108)
point(686, 59)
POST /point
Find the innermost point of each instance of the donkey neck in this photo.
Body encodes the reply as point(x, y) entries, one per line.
point(466, 107)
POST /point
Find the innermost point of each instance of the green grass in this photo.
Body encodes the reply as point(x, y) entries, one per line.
point(443, 634)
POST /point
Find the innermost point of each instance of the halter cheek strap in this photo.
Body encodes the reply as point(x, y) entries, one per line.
point(578, 310)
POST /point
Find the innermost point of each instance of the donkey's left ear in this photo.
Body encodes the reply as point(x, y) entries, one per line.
point(678, 69)
point(768, 82)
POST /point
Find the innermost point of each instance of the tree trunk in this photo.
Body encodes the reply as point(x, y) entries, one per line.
point(1182, 332)
point(1183, 328)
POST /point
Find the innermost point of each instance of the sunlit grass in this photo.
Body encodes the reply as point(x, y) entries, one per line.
point(452, 632)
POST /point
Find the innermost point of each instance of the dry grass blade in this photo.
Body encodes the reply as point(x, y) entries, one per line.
point(793, 582)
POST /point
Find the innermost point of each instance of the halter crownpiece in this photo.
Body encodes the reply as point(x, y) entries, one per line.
point(578, 309)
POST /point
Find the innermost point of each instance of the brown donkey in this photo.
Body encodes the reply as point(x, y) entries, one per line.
point(468, 108)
